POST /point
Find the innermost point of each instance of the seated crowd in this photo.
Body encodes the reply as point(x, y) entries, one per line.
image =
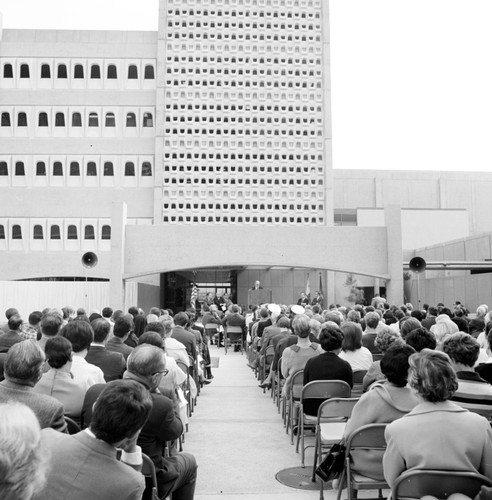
point(102, 389)
point(415, 368)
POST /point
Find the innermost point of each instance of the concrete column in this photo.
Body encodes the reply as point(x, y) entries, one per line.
point(117, 269)
point(330, 297)
point(394, 286)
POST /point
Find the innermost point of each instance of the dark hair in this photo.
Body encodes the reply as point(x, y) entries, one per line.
point(140, 323)
point(155, 310)
point(407, 325)
point(66, 311)
point(421, 338)
point(418, 315)
point(118, 314)
point(264, 313)
point(101, 330)
point(107, 312)
point(15, 322)
point(152, 338)
point(462, 348)
point(81, 311)
point(155, 326)
point(352, 336)
point(11, 311)
point(394, 363)
point(58, 351)
point(133, 310)
point(330, 338)
point(432, 311)
point(461, 323)
point(446, 311)
point(94, 316)
point(35, 317)
point(181, 319)
point(79, 333)
point(123, 325)
point(120, 411)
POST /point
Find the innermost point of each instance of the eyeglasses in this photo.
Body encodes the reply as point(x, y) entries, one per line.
point(164, 372)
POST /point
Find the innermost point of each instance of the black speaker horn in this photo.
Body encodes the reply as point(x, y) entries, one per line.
point(89, 260)
point(417, 265)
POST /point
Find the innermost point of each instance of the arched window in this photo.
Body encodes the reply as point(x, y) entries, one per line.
point(5, 120)
point(43, 119)
point(41, 168)
point(78, 71)
point(95, 71)
point(89, 233)
point(146, 169)
point(76, 119)
point(148, 120)
point(57, 169)
point(129, 169)
point(2, 232)
point(16, 232)
point(74, 168)
point(131, 120)
point(24, 71)
point(37, 232)
point(59, 120)
point(72, 232)
point(45, 71)
point(19, 168)
point(132, 72)
point(55, 233)
point(21, 119)
point(149, 72)
point(62, 71)
point(93, 120)
point(106, 233)
point(108, 170)
point(4, 169)
point(91, 169)
point(110, 120)
point(8, 72)
point(112, 72)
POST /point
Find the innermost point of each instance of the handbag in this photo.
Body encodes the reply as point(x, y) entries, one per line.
point(332, 465)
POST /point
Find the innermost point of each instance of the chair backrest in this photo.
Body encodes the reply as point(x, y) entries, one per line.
point(211, 326)
point(325, 389)
point(148, 470)
point(72, 426)
point(182, 366)
point(234, 329)
point(269, 353)
point(296, 383)
point(438, 483)
point(337, 407)
point(358, 376)
point(367, 436)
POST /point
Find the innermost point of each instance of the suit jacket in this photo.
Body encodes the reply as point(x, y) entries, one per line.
point(115, 344)
point(83, 467)
point(438, 436)
point(48, 410)
point(186, 338)
point(268, 333)
point(111, 363)
point(8, 339)
point(235, 319)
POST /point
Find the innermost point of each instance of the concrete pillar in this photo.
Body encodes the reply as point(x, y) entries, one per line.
point(116, 284)
point(394, 286)
point(376, 286)
point(330, 294)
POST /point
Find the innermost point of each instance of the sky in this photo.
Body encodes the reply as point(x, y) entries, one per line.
point(411, 80)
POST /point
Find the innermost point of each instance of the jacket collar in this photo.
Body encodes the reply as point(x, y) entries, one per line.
point(427, 407)
point(95, 444)
point(133, 376)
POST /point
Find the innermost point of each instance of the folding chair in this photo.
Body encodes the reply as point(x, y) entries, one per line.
point(186, 386)
point(277, 385)
point(234, 335)
point(211, 329)
point(293, 397)
point(330, 424)
point(368, 438)
point(148, 470)
point(358, 378)
point(414, 484)
point(320, 390)
point(72, 426)
point(266, 362)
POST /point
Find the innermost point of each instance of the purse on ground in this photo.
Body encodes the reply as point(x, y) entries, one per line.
point(332, 465)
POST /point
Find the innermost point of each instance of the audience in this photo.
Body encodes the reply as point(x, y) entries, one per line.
point(22, 461)
point(23, 370)
point(85, 465)
point(13, 334)
point(437, 433)
point(122, 329)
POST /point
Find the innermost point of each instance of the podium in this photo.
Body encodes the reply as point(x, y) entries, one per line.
point(259, 296)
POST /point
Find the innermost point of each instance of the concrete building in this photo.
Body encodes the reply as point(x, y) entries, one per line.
point(201, 152)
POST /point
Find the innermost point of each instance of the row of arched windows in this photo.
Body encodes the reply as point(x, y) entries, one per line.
point(55, 232)
point(232, 219)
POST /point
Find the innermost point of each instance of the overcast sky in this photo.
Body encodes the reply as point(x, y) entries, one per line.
point(411, 79)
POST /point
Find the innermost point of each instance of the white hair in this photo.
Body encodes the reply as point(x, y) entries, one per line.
point(22, 461)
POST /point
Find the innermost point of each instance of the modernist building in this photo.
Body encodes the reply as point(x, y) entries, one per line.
point(200, 152)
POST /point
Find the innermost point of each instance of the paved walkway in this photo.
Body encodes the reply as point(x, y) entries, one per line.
point(238, 438)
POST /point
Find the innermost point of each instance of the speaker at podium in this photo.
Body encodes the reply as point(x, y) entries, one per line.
point(259, 296)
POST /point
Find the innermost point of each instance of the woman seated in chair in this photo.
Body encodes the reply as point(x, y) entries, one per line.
point(383, 403)
point(359, 357)
point(437, 433)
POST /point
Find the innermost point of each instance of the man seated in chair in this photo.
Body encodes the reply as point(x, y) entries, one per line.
point(85, 465)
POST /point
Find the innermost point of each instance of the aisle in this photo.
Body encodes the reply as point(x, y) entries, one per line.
point(238, 438)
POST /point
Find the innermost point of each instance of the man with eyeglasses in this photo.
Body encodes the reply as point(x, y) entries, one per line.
point(176, 473)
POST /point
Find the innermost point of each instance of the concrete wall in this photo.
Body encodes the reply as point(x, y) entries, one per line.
point(148, 296)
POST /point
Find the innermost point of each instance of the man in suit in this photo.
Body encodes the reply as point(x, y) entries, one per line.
point(112, 364)
point(84, 465)
point(23, 369)
point(176, 473)
point(123, 326)
point(180, 333)
point(13, 335)
point(51, 324)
